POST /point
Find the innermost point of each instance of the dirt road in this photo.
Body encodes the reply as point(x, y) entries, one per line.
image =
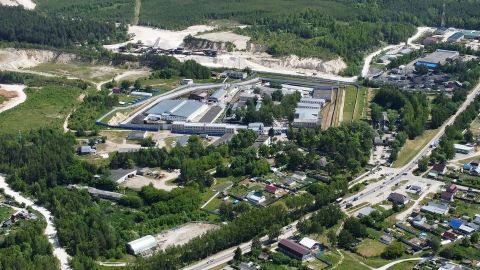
point(51, 232)
point(13, 102)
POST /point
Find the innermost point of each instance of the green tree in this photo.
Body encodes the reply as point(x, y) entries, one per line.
point(393, 251)
point(423, 164)
point(238, 255)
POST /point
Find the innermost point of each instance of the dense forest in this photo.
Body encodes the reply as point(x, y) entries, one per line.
point(27, 248)
point(23, 26)
point(347, 147)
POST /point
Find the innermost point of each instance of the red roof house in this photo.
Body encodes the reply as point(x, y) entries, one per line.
point(452, 188)
point(449, 235)
point(447, 196)
point(271, 188)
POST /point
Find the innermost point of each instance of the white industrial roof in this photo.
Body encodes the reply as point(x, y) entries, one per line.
point(179, 107)
point(308, 242)
point(142, 244)
point(462, 147)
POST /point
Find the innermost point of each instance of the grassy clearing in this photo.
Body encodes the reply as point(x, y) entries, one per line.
point(360, 108)
point(338, 106)
point(349, 263)
point(349, 103)
point(5, 212)
point(79, 70)
point(45, 107)
point(412, 147)
point(475, 127)
point(370, 248)
point(213, 205)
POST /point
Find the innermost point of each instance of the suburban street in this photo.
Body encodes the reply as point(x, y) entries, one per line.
point(374, 191)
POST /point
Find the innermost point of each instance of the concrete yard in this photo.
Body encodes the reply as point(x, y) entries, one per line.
point(140, 181)
point(182, 235)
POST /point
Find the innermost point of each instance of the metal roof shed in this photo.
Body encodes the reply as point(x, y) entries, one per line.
point(142, 244)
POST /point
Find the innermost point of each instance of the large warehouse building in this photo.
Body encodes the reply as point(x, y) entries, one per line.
point(142, 245)
point(176, 110)
point(437, 58)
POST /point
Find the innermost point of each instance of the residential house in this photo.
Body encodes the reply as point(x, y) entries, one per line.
point(447, 196)
point(439, 169)
point(398, 198)
point(386, 239)
point(256, 197)
point(271, 189)
point(294, 249)
point(435, 208)
point(366, 211)
point(86, 150)
point(449, 235)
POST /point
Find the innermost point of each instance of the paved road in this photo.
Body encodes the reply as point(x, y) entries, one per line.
point(374, 189)
point(227, 255)
point(50, 231)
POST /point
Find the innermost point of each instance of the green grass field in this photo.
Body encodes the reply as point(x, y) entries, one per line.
point(2, 99)
point(349, 103)
point(412, 147)
point(370, 248)
point(44, 107)
point(80, 70)
point(361, 108)
point(5, 212)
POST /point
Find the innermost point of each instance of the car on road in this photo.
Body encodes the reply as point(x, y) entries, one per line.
point(355, 199)
point(348, 205)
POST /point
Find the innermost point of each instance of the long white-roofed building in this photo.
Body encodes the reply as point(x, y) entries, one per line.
point(142, 245)
point(176, 110)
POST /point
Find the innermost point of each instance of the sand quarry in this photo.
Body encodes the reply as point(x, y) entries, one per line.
point(14, 94)
point(27, 4)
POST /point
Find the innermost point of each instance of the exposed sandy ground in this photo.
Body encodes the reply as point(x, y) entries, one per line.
point(239, 41)
point(17, 90)
point(27, 4)
point(182, 235)
point(263, 62)
point(19, 58)
point(140, 181)
point(168, 39)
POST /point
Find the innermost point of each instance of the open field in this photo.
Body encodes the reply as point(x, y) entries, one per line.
point(412, 147)
point(361, 104)
point(5, 212)
point(475, 127)
point(349, 103)
point(183, 234)
point(48, 106)
point(370, 248)
point(79, 70)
